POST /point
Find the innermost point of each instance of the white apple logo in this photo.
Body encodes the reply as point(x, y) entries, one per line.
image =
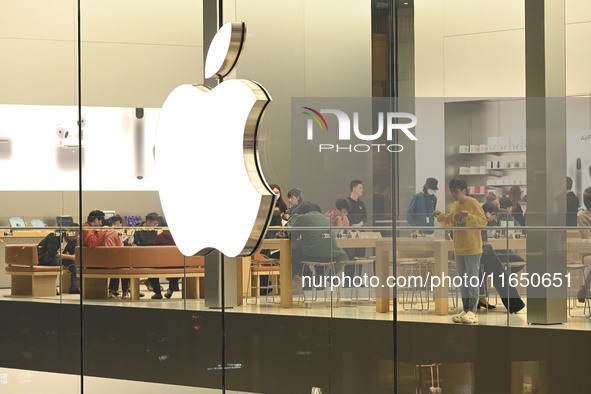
point(211, 188)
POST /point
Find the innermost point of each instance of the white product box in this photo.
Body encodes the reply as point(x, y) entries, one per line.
point(474, 148)
point(493, 144)
point(503, 144)
point(474, 170)
point(516, 143)
point(483, 148)
point(483, 169)
point(464, 149)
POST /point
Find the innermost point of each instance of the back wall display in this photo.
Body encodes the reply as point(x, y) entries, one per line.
point(39, 148)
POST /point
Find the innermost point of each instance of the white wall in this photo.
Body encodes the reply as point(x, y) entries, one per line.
point(474, 49)
point(303, 49)
point(463, 49)
point(133, 53)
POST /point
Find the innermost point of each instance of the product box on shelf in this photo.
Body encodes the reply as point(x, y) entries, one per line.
point(516, 143)
point(492, 144)
point(503, 144)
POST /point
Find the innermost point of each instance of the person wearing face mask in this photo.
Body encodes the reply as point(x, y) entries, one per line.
point(421, 207)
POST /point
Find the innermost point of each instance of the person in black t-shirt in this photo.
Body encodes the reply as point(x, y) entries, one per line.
point(50, 253)
point(357, 214)
point(147, 237)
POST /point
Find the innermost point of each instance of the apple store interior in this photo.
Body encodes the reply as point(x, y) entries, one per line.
point(336, 196)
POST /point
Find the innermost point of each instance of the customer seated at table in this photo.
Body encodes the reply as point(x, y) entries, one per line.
point(313, 245)
point(492, 265)
point(506, 208)
point(584, 220)
point(278, 213)
point(93, 238)
point(517, 212)
point(338, 215)
point(117, 221)
point(164, 238)
point(49, 252)
point(147, 237)
point(294, 198)
point(493, 198)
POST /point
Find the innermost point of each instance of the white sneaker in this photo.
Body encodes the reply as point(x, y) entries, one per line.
point(458, 318)
point(470, 318)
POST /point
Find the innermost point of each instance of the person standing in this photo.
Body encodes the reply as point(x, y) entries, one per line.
point(465, 212)
point(584, 220)
point(492, 265)
point(572, 203)
point(357, 215)
point(421, 207)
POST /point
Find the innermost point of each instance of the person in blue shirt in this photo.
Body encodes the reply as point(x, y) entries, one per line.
point(421, 207)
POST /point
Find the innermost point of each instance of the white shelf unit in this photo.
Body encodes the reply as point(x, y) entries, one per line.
point(480, 124)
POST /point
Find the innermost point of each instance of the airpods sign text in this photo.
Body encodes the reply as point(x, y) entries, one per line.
point(390, 122)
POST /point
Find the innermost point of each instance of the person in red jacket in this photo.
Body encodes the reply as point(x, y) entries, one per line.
point(93, 238)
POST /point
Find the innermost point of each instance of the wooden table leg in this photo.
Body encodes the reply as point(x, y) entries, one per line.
point(134, 288)
point(285, 275)
point(441, 293)
point(382, 264)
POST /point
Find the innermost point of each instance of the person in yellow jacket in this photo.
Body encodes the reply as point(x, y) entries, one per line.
point(465, 212)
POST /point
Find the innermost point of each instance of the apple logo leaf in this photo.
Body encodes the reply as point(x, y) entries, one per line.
point(211, 187)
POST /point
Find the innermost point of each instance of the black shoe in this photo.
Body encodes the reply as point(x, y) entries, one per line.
point(515, 310)
point(487, 306)
point(157, 296)
point(74, 290)
point(168, 293)
point(516, 306)
point(583, 294)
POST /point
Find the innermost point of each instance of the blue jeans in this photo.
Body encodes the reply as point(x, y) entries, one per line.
point(470, 266)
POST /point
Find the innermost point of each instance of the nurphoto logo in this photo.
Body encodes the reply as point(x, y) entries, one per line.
point(393, 121)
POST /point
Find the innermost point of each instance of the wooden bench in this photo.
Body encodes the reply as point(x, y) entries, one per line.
point(27, 277)
point(133, 262)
